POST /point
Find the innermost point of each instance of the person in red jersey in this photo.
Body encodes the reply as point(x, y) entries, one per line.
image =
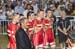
point(31, 17)
point(48, 31)
point(12, 28)
point(38, 30)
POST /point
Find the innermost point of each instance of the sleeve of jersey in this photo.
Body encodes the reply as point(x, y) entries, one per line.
point(51, 22)
point(10, 31)
point(35, 23)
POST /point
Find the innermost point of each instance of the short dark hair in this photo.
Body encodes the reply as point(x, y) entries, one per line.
point(48, 9)
point(40, 10)
point(29, 13)
point(21, 20)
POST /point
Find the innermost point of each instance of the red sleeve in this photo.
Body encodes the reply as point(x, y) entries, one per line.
point(35, 22)
point(51, 21)
point(11, 32)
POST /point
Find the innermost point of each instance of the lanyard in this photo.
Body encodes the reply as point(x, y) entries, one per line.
point(64, 25)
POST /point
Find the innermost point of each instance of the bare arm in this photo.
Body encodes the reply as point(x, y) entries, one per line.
point(70, 43)
point(68, 28)
point(60, 29)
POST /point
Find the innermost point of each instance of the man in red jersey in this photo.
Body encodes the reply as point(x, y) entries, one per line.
point(38, 30)
point(48, 31)
point(12, 28)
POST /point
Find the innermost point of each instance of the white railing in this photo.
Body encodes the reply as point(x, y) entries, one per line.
point(3, 26)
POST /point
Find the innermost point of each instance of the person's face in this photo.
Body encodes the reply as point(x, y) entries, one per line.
point(32, 16)
point(25, 23)
point(41, 14)
point(16, 18)
point(69, 7)
point(49, 13)
point(9, 9)
point(28, 7)
point(33, 1)
point(63, 14)
point(19, 3)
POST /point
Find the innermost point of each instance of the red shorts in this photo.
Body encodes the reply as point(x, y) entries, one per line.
point(12, 43)
point(38, 38)
point(12, 46)
point(49, 37)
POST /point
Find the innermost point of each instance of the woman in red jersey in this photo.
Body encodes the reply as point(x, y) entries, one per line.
point(48, 31)
point(12, 28)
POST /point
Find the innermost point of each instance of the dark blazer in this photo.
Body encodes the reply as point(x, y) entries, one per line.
point(22, 39)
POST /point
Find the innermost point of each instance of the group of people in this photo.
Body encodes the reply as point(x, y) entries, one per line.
point(8, 8)
point(32, 27)
point(37, 31)
point(33, 31)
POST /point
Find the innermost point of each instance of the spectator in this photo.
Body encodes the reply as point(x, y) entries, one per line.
point(28, 8)
point(60, 7)
point(69, 10)
point(8, 3)
point(9, 13)
point(35, 6)
point(13, 5)
point(67, 2)
point(52, 7)
point(19, 9)
point(2, 15)
point(73, 7)
point(6, 7)
point(2, 18)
